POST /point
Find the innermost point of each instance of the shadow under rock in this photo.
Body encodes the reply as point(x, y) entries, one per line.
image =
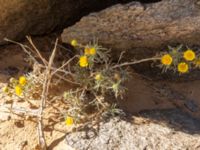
point(174, 118)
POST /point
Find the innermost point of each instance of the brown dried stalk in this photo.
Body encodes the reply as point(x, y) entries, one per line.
point(21, 111)
point(45, 91)
point(135, 62)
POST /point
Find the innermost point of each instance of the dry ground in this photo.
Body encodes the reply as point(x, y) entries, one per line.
point(15, 132)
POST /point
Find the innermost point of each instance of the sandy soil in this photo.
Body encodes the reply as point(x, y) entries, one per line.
point(17, 132)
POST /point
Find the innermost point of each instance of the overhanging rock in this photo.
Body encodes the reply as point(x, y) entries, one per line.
point(141, 29)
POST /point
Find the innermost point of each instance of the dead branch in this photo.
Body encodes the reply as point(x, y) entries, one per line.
point(135, 62)
point(45, 91)
point(24, 48)
point(37, 51)
point(65, 64)
point(21, 111)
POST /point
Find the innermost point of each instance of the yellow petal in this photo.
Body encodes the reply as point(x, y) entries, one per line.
point(183, 67)
point(189, 55)
point(22, 80)
point(18, 90)
point(83, 61)
point(74, 43)
point(92, 51)
point(166, 60)
point(69, 121)
point(87, 51)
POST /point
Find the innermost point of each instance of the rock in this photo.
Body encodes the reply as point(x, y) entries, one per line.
point(63, 146)
point(37, 17)
point(145, 94)
point(140, 29)
point(174, 130)
point(142, 94)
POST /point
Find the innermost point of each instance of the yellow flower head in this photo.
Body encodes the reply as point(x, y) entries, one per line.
point(69, 121)
point(197, 63)
point(18, 90)
point(22, 80)
point(189, 55)
point(5, 89)
point(87, 51)
point(183, 67)
point(83, 61)
point(92, 51)
point(74, 43)
point(98, 77)
point(166, 59)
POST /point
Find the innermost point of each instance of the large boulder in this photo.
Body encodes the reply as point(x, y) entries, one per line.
point(37, 17)
point(141, 29)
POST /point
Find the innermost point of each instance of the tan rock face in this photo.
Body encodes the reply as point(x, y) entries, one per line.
point(37, 17)
point(140, 29)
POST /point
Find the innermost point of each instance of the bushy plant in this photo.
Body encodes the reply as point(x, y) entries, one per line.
point(94, 78)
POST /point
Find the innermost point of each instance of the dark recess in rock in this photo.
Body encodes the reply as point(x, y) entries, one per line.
point(20, 18)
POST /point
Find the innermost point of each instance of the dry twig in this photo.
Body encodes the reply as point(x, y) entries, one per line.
point(135, 62)
point(45, 91)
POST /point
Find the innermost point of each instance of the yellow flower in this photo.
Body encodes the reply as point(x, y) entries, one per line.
point(18, 90)
point(98, 77)
point(166, 59)
point(189, 55)
point(74, 43)
point(22, 80)
point(69, 121)
point(183, 67)
point(83, 61)
point(197, 63)
point(5, 89)
point(92, 51)
point(87, 51)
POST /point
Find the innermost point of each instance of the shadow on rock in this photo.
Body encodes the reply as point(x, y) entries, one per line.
point(175, 119)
